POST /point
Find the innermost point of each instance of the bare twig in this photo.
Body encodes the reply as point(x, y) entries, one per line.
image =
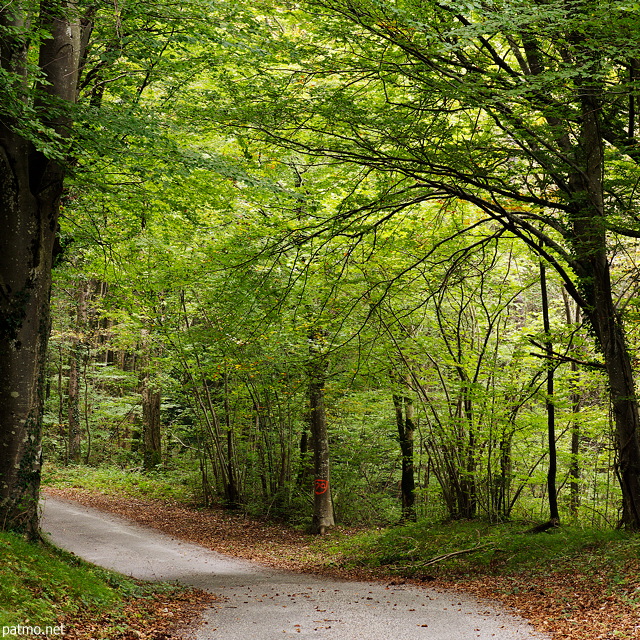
point(453, 554)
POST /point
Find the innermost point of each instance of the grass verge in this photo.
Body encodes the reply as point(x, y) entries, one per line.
point(46, 592)
point(467, 549)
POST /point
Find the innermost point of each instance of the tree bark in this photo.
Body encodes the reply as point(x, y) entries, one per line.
point(574, 465)
point(550, 405)
point(30, 189)
point(590, 247)
point(503, 507)
point(26, 246)
point(151, 399)
point(625, 412)
point(322, 501)
point(151, 440)
point(405, 422)
point(74, 432)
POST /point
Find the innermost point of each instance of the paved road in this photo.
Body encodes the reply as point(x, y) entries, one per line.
point(265, 604)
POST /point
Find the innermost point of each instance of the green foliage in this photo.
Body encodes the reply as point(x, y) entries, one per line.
point(112, 480)
point(231, 347)
point(365, 458)
point(248, 175)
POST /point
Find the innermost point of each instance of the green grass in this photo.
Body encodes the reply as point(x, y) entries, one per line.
point(113, 480)
point(44, 586)
point(497, 549)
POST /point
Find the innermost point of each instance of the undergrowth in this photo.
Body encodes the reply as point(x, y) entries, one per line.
point(114, 480)
point(42, 586)
point(465, 549)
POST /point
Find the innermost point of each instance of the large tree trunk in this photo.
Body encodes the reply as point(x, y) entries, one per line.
point(26, 245)
point(590, 247)
point(30, 189)
point(625, 412)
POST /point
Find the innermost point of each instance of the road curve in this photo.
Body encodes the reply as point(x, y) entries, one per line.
point(261, 603)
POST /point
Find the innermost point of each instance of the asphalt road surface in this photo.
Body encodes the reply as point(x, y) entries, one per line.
point(261, 603)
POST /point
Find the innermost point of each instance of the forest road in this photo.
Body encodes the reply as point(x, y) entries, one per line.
point(261, 603)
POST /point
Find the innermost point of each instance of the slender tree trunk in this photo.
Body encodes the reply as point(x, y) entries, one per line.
point(466, 483)
point(73, 413)
point(74, 431)
point(554, 514)
point(574, 466)
point(576, 401)
point(306, 458)
point(468, 503)
point(322, 502)
point(64, 435)
point(87, 453)
point(404, 410)
point(506, 473)
point(151, 398)
point(30, 190)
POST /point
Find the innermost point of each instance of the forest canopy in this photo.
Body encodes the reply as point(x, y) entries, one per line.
point(326, 261)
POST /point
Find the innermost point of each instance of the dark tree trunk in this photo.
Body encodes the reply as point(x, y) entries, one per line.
point(627, 423)
point(28, 222)
point(554, 514)
point(306, 458)
point(468, 490)
point(151, 441)
point(233, 495)
point(405, 422)
point(590, 247)
point(503, 509)
point(466, 485)
point(30, 190)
